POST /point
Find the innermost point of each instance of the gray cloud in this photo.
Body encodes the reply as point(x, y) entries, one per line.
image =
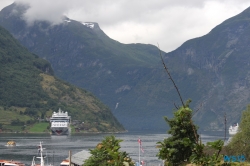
point(167, 22)
point(45, 10)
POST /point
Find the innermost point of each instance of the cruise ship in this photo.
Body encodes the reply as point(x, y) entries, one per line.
point(60, 123)
point(233, 129)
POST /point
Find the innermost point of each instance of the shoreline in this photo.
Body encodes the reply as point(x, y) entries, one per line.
point(126, 131)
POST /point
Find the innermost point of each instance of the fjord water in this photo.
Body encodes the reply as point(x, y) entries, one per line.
point(58, 147)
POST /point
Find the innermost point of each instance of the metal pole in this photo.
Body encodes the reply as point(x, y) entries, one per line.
point(70, 158)
point(225, 136)
point(53, 158)
point(139, 151)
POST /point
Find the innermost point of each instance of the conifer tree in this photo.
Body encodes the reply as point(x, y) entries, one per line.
point(177, 148)
point(184, 145)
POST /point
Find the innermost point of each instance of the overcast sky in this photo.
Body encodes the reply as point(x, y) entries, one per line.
point(166, 22)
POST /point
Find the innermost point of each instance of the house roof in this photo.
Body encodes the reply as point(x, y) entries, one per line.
point(79, 157)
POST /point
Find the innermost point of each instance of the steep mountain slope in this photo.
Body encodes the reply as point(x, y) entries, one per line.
point(212, 70)
point(28, 91)
point(83, 55)
point(220, 62)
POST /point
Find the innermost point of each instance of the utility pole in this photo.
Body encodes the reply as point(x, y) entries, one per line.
point(53, 158)
point(70, 158)
point(225, 123)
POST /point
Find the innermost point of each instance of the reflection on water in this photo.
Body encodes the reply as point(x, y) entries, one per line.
point(58, 147)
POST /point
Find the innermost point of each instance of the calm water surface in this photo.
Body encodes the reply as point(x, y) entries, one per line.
point(58, 147)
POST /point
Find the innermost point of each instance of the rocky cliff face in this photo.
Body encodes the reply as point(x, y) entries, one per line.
point(222, 59)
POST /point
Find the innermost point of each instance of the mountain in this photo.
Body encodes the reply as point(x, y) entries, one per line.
point(29, 91)
point(217, 64)
point(82, 54)
point(212, 70)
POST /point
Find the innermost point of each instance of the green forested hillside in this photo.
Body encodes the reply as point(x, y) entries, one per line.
point(88, 58)
point(29, 92)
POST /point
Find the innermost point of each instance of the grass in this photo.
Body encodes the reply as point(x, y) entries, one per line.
point(13, 128)
point(39, 127)
point(7, 116)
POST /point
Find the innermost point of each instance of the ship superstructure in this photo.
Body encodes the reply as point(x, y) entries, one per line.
point(60, 123)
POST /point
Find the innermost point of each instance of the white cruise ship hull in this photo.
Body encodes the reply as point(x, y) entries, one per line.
point(233, 129)
point(59, 131)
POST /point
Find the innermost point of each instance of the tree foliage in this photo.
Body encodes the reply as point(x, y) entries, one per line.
point(108, 153)
point(200, 157)
point(27, 85)
point(239, 144)
point(184, 145)
point(177, 148)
